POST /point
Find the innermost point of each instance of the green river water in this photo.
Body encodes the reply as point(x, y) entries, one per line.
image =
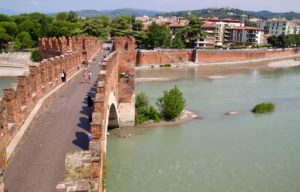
point(242, 153)
point(5, 82)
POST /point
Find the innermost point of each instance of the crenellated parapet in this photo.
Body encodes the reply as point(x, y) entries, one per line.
point(86, 45)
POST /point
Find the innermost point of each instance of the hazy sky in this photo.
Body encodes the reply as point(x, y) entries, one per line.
point(160, 5)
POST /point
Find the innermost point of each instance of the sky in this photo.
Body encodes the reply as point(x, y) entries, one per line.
point(48, 6)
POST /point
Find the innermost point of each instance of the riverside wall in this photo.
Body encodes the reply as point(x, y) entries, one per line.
point(181, 56)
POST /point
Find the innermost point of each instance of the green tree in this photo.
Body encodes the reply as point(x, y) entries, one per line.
point(178, 41)
point(10, 27)
point(4, 38)
point(36, 55)
point(158, 36)
point(72, 17)
point(4, 18)
point(144, 111)
point(192, 32)
point(171, 103)
point(137, 25)
point(98, 27)
point(121, 26)
point(25, 40)
point(63, 16)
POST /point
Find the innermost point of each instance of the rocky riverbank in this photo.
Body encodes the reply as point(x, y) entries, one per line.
point(127, 132)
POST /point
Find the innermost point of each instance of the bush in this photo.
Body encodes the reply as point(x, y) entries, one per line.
point(263, 108)
point(144, 112)
point(35, 55)
point(171, 103)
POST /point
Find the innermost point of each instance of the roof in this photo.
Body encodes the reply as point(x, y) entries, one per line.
point(246, 28)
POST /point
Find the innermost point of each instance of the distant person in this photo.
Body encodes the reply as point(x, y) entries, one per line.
point(85, 76)
point(65, 76)
point(90, 76)
point(62, 76)
point(78, 67)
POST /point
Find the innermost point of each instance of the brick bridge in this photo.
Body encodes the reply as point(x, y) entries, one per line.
point(114, 102)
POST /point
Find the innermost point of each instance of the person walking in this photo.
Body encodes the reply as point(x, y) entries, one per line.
point(65, 76)
point(85, 76)
point(62, 76)
point(90, 76)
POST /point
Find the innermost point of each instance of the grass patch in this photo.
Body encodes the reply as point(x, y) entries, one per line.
point(165, 65)
point(264, 108)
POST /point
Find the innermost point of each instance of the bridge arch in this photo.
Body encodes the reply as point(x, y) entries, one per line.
point(112, 116)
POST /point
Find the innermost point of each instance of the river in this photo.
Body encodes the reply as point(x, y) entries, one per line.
point(5, 82)
point(245, 152)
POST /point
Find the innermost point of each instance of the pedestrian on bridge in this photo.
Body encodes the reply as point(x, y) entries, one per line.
point(90, 76)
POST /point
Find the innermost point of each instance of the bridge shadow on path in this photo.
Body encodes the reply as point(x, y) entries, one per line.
point(82, 139)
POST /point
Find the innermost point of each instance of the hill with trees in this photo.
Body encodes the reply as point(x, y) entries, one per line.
point(233, 13)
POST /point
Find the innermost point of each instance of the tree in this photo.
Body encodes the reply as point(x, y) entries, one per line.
point(4, 38)
point(171, 103)
point(63, 16)
point(36, 55)
point(4, 18)
point(158, 36)
point(24, 39)
point(192, 32)
point(98, 27)
point(144, 111)
point(121, 26)
point(72, 17)
point(10, 27)
point(177, 41)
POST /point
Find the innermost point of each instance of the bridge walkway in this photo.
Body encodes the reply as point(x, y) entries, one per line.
point(38, 163)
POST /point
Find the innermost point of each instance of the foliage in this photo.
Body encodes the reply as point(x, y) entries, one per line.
point(171, 103)
point(145, 112)
point(10, 27)
point(283, 41)
point(165, 65)
point(158, 36)
point(36, 55)
point(121, 26)
point(23, 40)
point(4, 38)
point(263, 108)
point(190, 33)
point(98, 27)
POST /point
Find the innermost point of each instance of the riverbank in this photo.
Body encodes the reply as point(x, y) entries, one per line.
point(15, 64)
point(126, 132)
point(284, 64)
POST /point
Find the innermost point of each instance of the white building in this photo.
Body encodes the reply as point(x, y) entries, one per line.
point(278, 26)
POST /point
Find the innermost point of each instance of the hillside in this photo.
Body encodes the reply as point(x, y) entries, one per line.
point(234, 13)
point(117, 12)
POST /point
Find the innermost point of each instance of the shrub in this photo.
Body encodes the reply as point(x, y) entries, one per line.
point(171, 103)
point(263, 108)
point(144, 112)
point(142, 100)
point(35, 55)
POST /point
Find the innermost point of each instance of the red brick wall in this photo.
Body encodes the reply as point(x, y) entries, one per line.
point(208, 56)
point(239, 55)
point(167, 56)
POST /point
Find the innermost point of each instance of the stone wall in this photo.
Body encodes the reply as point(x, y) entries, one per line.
point(19, 99)
point(181, 56)
point(164, 56)
point(51, 47)
point(210, 56)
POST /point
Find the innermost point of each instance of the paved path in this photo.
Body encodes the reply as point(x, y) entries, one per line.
point(38, 164)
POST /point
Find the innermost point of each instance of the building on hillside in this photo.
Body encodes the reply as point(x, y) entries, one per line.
point(211, 38)
point(243, 35)
point(144, 19)
point(278, 26)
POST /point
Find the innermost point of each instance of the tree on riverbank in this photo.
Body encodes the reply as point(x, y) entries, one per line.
point(171, 103)
point(145, 111)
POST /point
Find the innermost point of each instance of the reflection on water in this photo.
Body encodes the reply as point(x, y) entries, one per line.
point(218, 153)
point(5, 82)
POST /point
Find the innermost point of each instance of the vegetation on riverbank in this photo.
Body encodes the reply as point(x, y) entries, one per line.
point(264, 108)
point(171, 105)
point(145, 111)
